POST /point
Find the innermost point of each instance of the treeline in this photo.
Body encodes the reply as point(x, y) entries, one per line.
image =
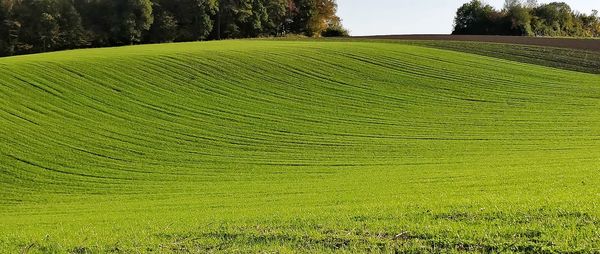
point(31, 26)
point(525, 19)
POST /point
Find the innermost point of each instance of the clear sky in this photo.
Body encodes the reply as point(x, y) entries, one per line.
point(371, 17)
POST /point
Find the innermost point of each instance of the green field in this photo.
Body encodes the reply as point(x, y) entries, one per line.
point(282, 146)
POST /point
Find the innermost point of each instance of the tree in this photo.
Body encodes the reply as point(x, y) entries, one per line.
point(165, 26)
point(301, 15)
point(530, 4)
point(554, 19)
point(96, 20)
point(277, 11)
point(72, 33)
point(130, 19)
point(195, 18)
point(588, 25)
point(519, 19)
point(595, 26)
point(243, 18)
point(475, 18)
point(226, 19)
point(327, 13)
point(249, 17)
point(335, 31)
point(47, 25)
point(9, 28)
point(509, 4)
point(314, 16)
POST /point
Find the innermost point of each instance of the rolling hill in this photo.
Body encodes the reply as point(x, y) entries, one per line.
point(283, 146)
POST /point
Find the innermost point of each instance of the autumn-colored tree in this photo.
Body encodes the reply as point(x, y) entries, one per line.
point(314, 16)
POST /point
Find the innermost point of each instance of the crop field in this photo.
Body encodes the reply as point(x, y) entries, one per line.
point(582, 55)
point(569, 59)
point(296, 146)
point(590, 44)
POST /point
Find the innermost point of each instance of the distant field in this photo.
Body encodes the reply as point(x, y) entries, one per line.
point(563, 58)
point(572, 43)
point(296, 146)
point(581, 55)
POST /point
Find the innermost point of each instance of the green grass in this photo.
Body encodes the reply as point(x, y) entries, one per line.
point(275, 146)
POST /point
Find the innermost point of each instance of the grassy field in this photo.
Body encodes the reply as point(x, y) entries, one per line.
point(279, 146)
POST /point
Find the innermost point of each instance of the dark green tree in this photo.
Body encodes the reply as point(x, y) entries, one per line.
point(304, 13)
point(246, 18)
point(130, 19)
point(232, 14)
point(47, 25)
point(72, 32)
point(475, 18)
point(97, 20)
point(39, 27)
point(195, 18)
point(165, 26)
point(9, 28)
point(278, 13)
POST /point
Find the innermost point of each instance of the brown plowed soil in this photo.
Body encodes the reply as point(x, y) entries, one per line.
point(584, 44)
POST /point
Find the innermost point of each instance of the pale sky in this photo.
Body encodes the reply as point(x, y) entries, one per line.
point(373, 17)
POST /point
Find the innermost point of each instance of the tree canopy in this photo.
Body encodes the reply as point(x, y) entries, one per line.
point(30, 26)
point(526, 18)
